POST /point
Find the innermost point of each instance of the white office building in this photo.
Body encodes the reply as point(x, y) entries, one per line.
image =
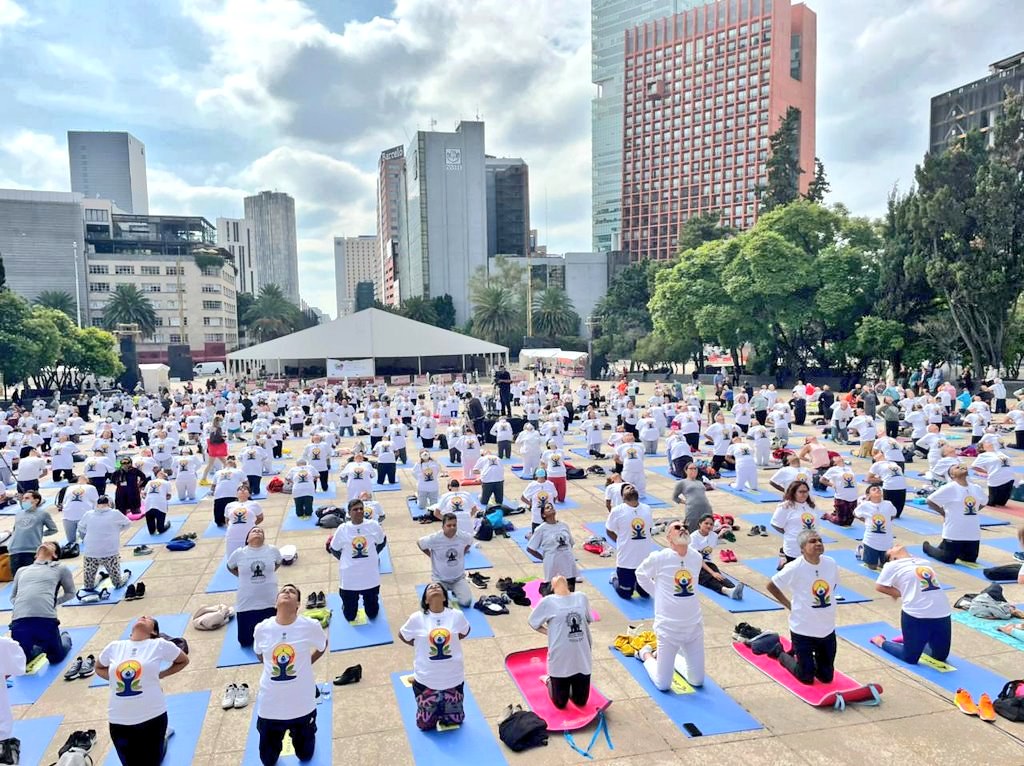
point(356, 259)
point(274, 242)
point(235, 235)
point(109, 165)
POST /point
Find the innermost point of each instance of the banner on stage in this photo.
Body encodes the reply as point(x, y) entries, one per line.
point(350, 368)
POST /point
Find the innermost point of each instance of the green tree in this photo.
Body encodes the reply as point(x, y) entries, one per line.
point(969, 228)
point(497, 317)
point(419, 309)
point(783, 164)
point(554, 314)
point(445, 310)
point(272, 315)
point(243, 302)
point(29, 339)
point(82, 352)
point(819, 185)
point(3, 274)
point(701, 228)
point(129, 305)
point(58, 300)
point(622, 314)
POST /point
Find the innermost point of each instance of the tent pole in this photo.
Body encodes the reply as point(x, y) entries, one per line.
point(419, 365)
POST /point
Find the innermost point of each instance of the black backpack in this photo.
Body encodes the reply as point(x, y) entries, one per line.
point(522, 730)
point(1008, 704)
point(485, 531)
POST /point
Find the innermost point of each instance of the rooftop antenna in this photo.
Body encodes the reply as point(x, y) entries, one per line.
point(433, 123)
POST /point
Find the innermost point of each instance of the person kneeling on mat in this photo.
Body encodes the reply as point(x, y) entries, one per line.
point(255, 565)
point(34, 596)
point(812, 579)
point(629, 527)
point(552, 543)
point(924, 617)
point(564, 617)
point(959, 503)
point(704, 541)
point(287, 645)
point(671, 575)
point(436, 633)
point(447, 550)
point(357, 545)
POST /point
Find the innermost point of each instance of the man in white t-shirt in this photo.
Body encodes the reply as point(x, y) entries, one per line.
point(447, 551)
point(287, 645)
point(357, 545)
point(629, 527)
point(959, 503)
point(12, 663)
point(811, 579)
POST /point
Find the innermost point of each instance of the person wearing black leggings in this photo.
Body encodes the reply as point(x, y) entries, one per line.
point(993, 465)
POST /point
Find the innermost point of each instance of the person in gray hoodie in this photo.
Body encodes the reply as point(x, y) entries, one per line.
point(35, 595)
point(30, 524)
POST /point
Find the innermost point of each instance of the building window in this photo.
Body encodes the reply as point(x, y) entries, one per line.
point(125, 270)
point(97, 321)
point(213, 305)
point(174, 338)
point(149, 271)
point(93, 215)
point(214, 337)
point(97, 268)
point(150, 287)
point(211, 288)
point(210, 271)
point(99, 287)
point(174, 271)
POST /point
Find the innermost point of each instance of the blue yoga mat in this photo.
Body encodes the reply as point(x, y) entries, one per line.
point(479, 627)
point(396, 487)
point(472, 742)
point(662, 470)
point(201, 494)
point(36, 734)
point(322, 755)
point(918, 525)
point(276, 468)
point(343, 635)
point(475, 559)
point(989, 627)
point(765, 520)
point(142, 536)
point(384, 563)
point(213, 531)
point(767, 567)
point(653, 502)
point(854, 532)
point(708, 707)
point(232, 654)
point(582, 452)
point(966, 675)
point(222, 581)
point(827, 493)
point(760, 496)
point(1008, 544)
point(330, 494)
point(26, 690)
point(847, 559)
point(976, 572)
point(752, 601)
point(172, 624)
point(634, 609)
point(521, 537)
point(292, 523)
point(137, 567)
point(566, 505)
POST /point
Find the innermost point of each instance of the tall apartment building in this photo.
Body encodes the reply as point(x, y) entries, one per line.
point(704, 90)
point(508, 206)
point(355, 260)
point(274, 242)
point(109, 165)
point(445, 240)
point(390, 217)
point(974, 106)
point(235, 235)
point(609, 21)
point(165, 256)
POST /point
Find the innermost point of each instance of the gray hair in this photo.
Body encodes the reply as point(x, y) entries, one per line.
point(805, 536)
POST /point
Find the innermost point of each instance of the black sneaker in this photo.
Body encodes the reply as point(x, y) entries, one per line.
point(130, 594)
point(10, 751)
point(745, 632)
point(321, 600)
point(311, 601)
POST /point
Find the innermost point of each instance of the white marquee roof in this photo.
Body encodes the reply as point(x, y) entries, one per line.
point(368, 333)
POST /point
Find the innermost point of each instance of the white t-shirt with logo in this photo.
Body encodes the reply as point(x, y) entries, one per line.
point(447, 555)
point(570, 647)
point(961, 506)
point(78, 499)
point(788, 474)
point(539, 493)
point(12, 663)
point(811, 589)
point(241, 517)
point(921, 590)
point(135, 693)
point(257, 576)
point(877, 517)
point(287, 686)
point(435, 635)
point(704, 545)
point(843, 482)
point(997, 465)
point(792, 519)
point(632, 527)
point(554, 543)
point(672, 580)
point(359, 562)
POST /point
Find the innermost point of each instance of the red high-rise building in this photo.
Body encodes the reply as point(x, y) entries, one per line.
point(704, 90)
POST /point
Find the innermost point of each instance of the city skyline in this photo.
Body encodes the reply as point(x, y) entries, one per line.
point(302, 98)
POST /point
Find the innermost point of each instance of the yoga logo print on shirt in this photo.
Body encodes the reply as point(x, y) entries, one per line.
point(970, 506)
point(822, 593)
point(684, 583)
point(428, 474)
point(128, 678)
point(631, 454)
point(256, 571)
point(744, 450)
point(848, 481)
point(801, 477)
point(440, 644)
point(316, 453)
point(638, 526)
point(878, 523)
point(926, 579)
point(807, 520)
point(284, 663)
point(457, 504)
point(575, 622)
point(1004, 460)
point(542, 499)
point(359, 547)
point(239, 516)
point(357, 472)
point(706, 552)
point(77, 494)
point(561, 543)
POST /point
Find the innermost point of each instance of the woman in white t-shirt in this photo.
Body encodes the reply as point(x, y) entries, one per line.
point(137, 710)
point(841, 479)
point(994, 466)
point(924, 618)
point(795, 514)
point(564, 617)
point(255, 565)
point(242, 515)
point(436, 633)
point(877, 514)
point(78, 499)
point(426, 472)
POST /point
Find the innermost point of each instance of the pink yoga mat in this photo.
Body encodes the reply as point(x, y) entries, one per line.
point(818, 694)
point(532, 589)
point(527, 669)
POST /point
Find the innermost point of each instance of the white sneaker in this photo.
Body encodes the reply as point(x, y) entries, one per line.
point(230, 695)
point(737, 592)
point(241, 696)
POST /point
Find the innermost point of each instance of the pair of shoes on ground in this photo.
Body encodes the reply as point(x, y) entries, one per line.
point(81, 668)
point(77, 740)
point(757, 530)
point(142, 550)
point(744, 631)
point(352, 675)
point(235, 696)
point(727, 555)
point(478, 579)
point(10, 750)
point(135, 591)
point(188, 535)
point(316, 600)
point(985, 710)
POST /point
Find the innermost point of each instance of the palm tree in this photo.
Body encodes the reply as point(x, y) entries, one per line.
point(129, 305)
point(496, 314)
point(272, 315)
point(59, 300)
point(420, 309)
point(554, 314)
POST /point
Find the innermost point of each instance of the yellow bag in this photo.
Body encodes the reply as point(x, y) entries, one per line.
point(5, 567)
point(630, 645)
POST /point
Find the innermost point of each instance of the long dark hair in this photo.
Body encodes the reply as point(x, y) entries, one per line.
point(423, 599)
point(790, 496)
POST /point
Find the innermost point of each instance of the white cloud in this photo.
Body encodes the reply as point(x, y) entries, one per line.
point(12, 15)
point(30, 160)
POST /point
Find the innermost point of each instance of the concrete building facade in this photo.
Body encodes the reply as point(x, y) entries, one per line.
point(445, 240)
point(274, 242)
point(391, 217)
point(236, 236)
point(42, 244)
point(109, 165)
point(508, 206)
point(704, 90)
point(356, 259)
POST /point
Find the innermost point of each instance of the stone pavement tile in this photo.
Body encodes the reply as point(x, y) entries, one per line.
point(779, 710)
point(361, 709)
point(380, 747)
point(748, 748)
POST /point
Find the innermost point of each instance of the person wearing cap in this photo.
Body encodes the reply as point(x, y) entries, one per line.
point(255, 565)
point(35, 596)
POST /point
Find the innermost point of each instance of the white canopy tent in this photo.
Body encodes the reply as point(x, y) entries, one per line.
point(392, 341)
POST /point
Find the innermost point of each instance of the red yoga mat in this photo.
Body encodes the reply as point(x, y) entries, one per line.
point(837, 694)
point(457, 473)
point(527, 669)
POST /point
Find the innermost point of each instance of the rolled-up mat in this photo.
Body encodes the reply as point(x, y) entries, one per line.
point(529, 670)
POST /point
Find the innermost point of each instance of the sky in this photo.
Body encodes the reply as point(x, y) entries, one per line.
point(235, 96)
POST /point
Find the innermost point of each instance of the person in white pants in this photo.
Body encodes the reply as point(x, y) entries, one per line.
point(186, 474)
point(762, 445)
point(742, 454)
point(671, 574)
